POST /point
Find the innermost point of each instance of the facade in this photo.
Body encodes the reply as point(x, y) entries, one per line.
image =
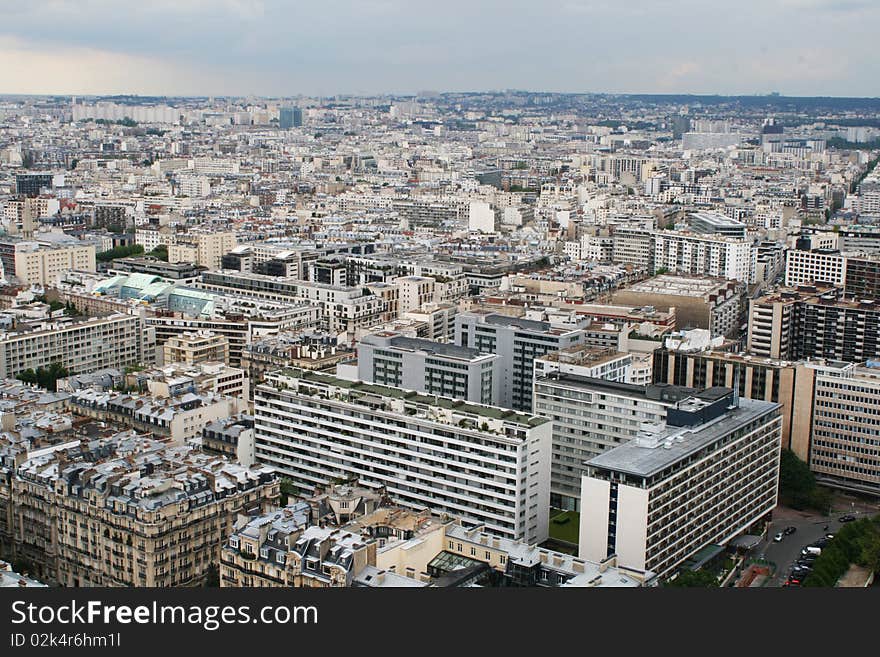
point(705, 476)
point(820, 266)
point(80, 346)
point(845, 446)
point(130, 511)
point(517, 342)
point(591, 416)
point(483, 463)
point(584, 360)
point(434, 368)
point(196, 347)
point(43, 263)
point(699, 302)
point(202, 249)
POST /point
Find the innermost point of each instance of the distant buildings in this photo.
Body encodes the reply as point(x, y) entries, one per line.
point(290, 117)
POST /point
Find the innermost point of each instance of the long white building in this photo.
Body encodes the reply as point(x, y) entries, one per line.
point(485, 464)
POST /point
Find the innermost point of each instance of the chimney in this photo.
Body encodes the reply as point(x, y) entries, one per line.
point(380, 577)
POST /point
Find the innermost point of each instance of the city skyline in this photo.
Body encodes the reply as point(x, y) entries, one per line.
point(267, 48)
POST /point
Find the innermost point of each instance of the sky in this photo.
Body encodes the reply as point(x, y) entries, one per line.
point(329, 47)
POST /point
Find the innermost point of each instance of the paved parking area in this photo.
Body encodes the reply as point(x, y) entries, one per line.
point(810, 526)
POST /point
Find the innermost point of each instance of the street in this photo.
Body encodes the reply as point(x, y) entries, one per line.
point(810, 527)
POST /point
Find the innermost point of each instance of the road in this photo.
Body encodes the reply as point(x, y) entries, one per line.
point(810, 527)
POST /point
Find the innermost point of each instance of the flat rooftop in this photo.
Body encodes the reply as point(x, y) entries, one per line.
point(656, 391)
point(634, 459)
point(457, 405)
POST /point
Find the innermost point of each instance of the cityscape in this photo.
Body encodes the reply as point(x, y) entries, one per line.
point(440, 339)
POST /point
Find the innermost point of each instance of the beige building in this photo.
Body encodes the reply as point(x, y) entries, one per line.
point(415, 291)
point(147, 515)
point(204, 249)
point(196, 347)
point(43, 263)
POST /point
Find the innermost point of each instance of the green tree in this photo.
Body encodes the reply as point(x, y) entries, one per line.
point(694, 578)
point(120, 252)
point(160, 253)
point(212, 577)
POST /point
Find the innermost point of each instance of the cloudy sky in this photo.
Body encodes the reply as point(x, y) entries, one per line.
point(281, 48)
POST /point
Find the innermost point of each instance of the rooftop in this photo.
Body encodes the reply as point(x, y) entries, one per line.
point(678, 443)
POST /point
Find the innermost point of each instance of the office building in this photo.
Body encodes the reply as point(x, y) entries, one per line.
point(705, 476)
point(32, 184)
point(482, 463)
point(290, 117)
point(845, 447)
point(714, 223)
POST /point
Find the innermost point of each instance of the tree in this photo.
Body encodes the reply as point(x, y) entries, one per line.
point(694, 578)
point(160, 253)
point(212, 576)
point(796, 482)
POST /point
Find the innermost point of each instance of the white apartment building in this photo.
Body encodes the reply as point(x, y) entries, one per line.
point(483, 463)
point(204, 249)
point(434, 368)
point(415, 291)
point(707, 255)
point(707, 475)
point(810, 267)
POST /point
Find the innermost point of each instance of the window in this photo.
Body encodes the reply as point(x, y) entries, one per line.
point(280, 557)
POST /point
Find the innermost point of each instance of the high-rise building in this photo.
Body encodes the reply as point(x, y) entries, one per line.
point(31, 184)
point(591, 416)
point(517, 342)
point(290, 117)
point(482, 463)
point(705, 476)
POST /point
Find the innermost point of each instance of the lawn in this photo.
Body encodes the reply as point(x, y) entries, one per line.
point(564, 525)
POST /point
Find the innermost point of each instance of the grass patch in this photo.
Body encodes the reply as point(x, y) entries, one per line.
point(564, 525)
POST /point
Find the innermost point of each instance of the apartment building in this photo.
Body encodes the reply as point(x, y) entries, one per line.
point(196, 347)
point(517, 342)
point(591, 416)
point(814, 322)
point(178, 419)
point(584, 360)
point(233, 437)
point(43, 263)
point(845, 447)
point(81, 346)
point(434, 368)
point(702, 255)
point(129, 511)
point(482, 463)
point(705, 476)
point(204, 249)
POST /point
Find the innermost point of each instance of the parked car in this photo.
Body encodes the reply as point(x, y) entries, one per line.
point(810, 549)
point(829, 536)
point(822, 542)
point(846, 518)
point(788, 531)
point(779, 536)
